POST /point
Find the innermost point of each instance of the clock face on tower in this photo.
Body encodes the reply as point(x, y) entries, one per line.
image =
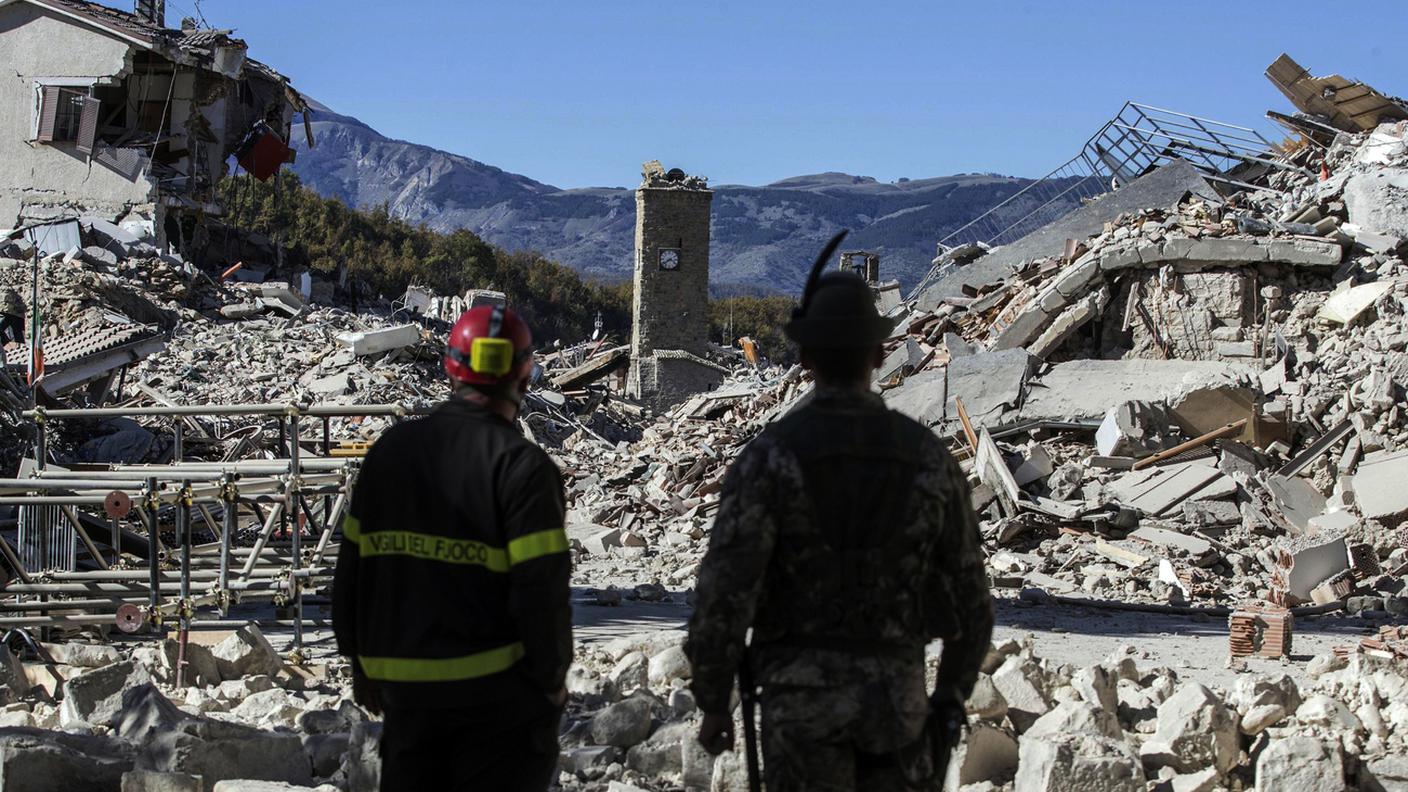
point(669, 258)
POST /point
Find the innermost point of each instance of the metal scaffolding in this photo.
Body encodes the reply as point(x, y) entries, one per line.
point(1139, 139)
point(148, 546)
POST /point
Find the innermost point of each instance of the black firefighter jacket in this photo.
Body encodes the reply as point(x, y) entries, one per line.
point(454, 568)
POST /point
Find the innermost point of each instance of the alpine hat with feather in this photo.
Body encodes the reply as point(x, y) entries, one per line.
point(837, 309)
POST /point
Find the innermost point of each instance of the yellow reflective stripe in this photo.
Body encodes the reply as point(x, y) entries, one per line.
point(433, 548)
point(534, 545)
point(352, 529)
point(443, 669)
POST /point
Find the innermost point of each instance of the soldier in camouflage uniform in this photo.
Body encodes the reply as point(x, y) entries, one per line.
point(845, 539)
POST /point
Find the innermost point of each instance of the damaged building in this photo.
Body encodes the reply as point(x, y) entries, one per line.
point(112, 114)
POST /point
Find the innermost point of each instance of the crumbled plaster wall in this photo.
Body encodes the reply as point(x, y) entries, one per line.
point(53, 180)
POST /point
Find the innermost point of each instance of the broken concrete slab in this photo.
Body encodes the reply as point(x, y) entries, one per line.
point(1211, 513)
point(1161, 490)
point(922, 396)
point(1347, 305)
point(370, 342)
point(1193, 546)
point(905, 358)
point(1297, 498)
point(1379, 489)
point(989, 383)
point(1064, 393)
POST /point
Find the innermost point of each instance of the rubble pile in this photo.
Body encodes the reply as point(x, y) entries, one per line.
point(1034, 725)
point(1175, 410)
point(639, 514)
point(1199, 409)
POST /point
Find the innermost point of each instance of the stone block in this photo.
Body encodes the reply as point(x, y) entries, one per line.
point(580, 760)
point(667, 666)
point(227, 751)
point(332, 721)
point(1177, 249)
point(151, 781)
point(146, 713)
point(1233, 252)
point(1076, 279)
point(325, 752)
point(1026, 326)
point(663, 752)
point(273, 707)
point(37, 761)
point(1385, 774)
point(623, 724)
point(363, 765)
point(1378, 486)
point(1097, 686)
point(1077, 763)
point(246, 653)
point(248, 785)
point(986, 703)
point(1020, 682)
point(1120, 257)
point(1134, 429)
point(987, 754)
point(1376, 201)
point(1304, 252)
point(1076, 717)
point(82, 655)
point(12, 673)
point(1195, 730)
point(1300, 763)
point(1064, 326)
point(95, 697)
point(372, 342)
point(1051, 299)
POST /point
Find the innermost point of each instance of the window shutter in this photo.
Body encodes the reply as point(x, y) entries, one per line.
point(88, 125)
point(48, 113)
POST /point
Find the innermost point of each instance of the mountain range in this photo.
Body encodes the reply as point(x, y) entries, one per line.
point(762, 238)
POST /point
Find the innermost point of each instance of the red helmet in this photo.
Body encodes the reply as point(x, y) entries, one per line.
point(488, 345)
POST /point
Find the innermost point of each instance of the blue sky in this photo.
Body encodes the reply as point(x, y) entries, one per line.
point(579, 93)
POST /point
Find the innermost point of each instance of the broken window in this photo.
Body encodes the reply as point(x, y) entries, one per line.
point(67, 114)
point(669, 258)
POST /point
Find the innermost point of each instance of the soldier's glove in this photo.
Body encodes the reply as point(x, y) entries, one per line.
point(716, 733)
point(366, 691)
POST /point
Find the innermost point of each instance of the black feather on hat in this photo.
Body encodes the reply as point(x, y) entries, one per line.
point(837, 309)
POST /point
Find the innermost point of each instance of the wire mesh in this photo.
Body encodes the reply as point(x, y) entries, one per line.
point(1139, 139)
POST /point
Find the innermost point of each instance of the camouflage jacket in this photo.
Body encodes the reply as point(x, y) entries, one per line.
point(845, 539)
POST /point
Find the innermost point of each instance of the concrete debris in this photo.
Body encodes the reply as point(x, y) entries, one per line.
point(1098, 364)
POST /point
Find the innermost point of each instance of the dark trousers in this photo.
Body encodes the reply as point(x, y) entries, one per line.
point(508, 748)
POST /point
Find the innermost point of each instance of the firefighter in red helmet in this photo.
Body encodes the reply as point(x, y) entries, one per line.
point(451, 596)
